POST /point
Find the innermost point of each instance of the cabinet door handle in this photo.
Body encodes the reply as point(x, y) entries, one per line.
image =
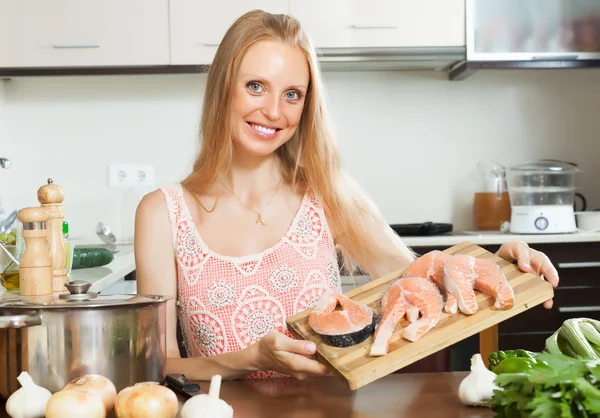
point(573, 309)
point(374, 26)
point(555, 57)
point(211, 43)
point(582, 264)
point(75, 46)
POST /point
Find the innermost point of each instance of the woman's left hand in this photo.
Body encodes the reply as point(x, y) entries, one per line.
point(530, 261)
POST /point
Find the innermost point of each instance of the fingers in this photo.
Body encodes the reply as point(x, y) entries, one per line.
point(542, 265)
point(521, 252)
point(516, 251)
point(548, 304)
point(284, 343)
point(301, 366)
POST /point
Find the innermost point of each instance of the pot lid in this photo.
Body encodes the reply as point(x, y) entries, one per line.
point(547, 166)
point(79, 297)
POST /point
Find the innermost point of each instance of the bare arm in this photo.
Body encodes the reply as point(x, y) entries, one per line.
point(157, 274)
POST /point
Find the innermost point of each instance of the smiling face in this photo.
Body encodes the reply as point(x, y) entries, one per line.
point(268, 97)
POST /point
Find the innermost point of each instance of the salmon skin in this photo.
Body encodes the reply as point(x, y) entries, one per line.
point(408, 296)
point(351, 325)
point(464, 273)
point(431, 266)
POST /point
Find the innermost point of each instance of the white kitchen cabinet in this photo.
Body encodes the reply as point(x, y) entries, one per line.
point(74, 33)
point(197, 26)
point(382, 23)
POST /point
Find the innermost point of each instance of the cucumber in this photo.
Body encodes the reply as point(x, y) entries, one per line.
point(91, 257)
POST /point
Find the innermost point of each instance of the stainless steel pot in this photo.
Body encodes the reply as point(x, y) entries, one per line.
point(59, 337)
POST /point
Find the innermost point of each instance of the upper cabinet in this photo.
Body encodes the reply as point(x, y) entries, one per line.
point(382, 23)
point(197, 26)
point(130, 33)
point(74, 33)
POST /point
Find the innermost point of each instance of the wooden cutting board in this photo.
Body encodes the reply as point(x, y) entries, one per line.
point(354, 363)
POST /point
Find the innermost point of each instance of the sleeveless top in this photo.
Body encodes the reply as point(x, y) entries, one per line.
point(228, 303)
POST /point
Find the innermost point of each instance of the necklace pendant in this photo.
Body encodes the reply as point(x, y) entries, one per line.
point(259, 220)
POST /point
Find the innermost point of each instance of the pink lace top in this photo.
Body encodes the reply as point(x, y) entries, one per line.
point(228, 303)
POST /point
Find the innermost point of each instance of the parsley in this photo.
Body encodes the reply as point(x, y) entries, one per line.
point(568, 388)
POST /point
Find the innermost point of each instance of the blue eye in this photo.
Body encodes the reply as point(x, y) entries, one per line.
point(293, 95)
point(254, 86)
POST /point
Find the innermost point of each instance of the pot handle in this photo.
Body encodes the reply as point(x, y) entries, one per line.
point(583, 202)
point(20, 320)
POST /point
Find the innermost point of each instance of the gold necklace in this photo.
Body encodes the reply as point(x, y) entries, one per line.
point(259, 218)
point(204, 207)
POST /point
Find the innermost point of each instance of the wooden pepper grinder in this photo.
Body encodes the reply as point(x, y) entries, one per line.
point(35, 265)
point(51, 197)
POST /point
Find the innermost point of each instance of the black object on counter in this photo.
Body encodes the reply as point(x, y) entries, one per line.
point(180, 384)
point(426, 228)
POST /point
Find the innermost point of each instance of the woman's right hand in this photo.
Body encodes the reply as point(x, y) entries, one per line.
point(278, 352)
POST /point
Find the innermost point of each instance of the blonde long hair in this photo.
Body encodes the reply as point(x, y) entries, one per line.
point(309, 159)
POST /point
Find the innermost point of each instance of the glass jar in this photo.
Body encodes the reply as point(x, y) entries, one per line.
point(9, 270)
point(491, 204)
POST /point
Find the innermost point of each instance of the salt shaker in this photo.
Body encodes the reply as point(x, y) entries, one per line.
point(35, 265)
point(51, 197)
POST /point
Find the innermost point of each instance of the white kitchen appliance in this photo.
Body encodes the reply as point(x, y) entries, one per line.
point(542, 197)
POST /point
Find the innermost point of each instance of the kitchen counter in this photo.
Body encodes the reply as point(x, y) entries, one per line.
point(404, 395)
point(397, 395)
point(100, 277)
point(496, 238)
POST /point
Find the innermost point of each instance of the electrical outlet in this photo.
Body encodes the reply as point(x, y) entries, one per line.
point(129, 175)
point(143, 175)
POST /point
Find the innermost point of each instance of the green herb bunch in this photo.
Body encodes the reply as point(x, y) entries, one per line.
point(559, 386)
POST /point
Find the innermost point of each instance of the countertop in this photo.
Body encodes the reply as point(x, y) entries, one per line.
point(496, 237)
point(100, 277)
point(405, 395)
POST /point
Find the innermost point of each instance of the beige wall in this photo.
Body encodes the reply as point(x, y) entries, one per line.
point(411, 139)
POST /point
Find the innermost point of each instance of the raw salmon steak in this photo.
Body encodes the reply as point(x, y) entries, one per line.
point(352, 324)
point(463, 274)
point(407, 296)
point(431, 266)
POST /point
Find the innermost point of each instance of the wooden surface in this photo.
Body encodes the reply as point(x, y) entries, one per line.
point(35, 265)
point(398, 396)
point(488, 342)
point(51, 197)
point(11, 341)
point(354, 364)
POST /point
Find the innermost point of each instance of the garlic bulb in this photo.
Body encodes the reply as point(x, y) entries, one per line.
point(208, 406)
point(478, 387)
point(29, 401)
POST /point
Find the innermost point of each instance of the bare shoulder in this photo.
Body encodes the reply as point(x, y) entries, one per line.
point(152, 219)
point(153, 248)
point(152, 204)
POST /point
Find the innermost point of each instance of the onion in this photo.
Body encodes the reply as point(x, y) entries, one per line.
point(146, 400)
point(98, 385)
point(75, 404)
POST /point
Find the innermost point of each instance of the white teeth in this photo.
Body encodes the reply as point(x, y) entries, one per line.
point(263, 130)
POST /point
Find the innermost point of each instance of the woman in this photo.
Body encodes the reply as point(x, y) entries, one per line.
point(249, 237)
